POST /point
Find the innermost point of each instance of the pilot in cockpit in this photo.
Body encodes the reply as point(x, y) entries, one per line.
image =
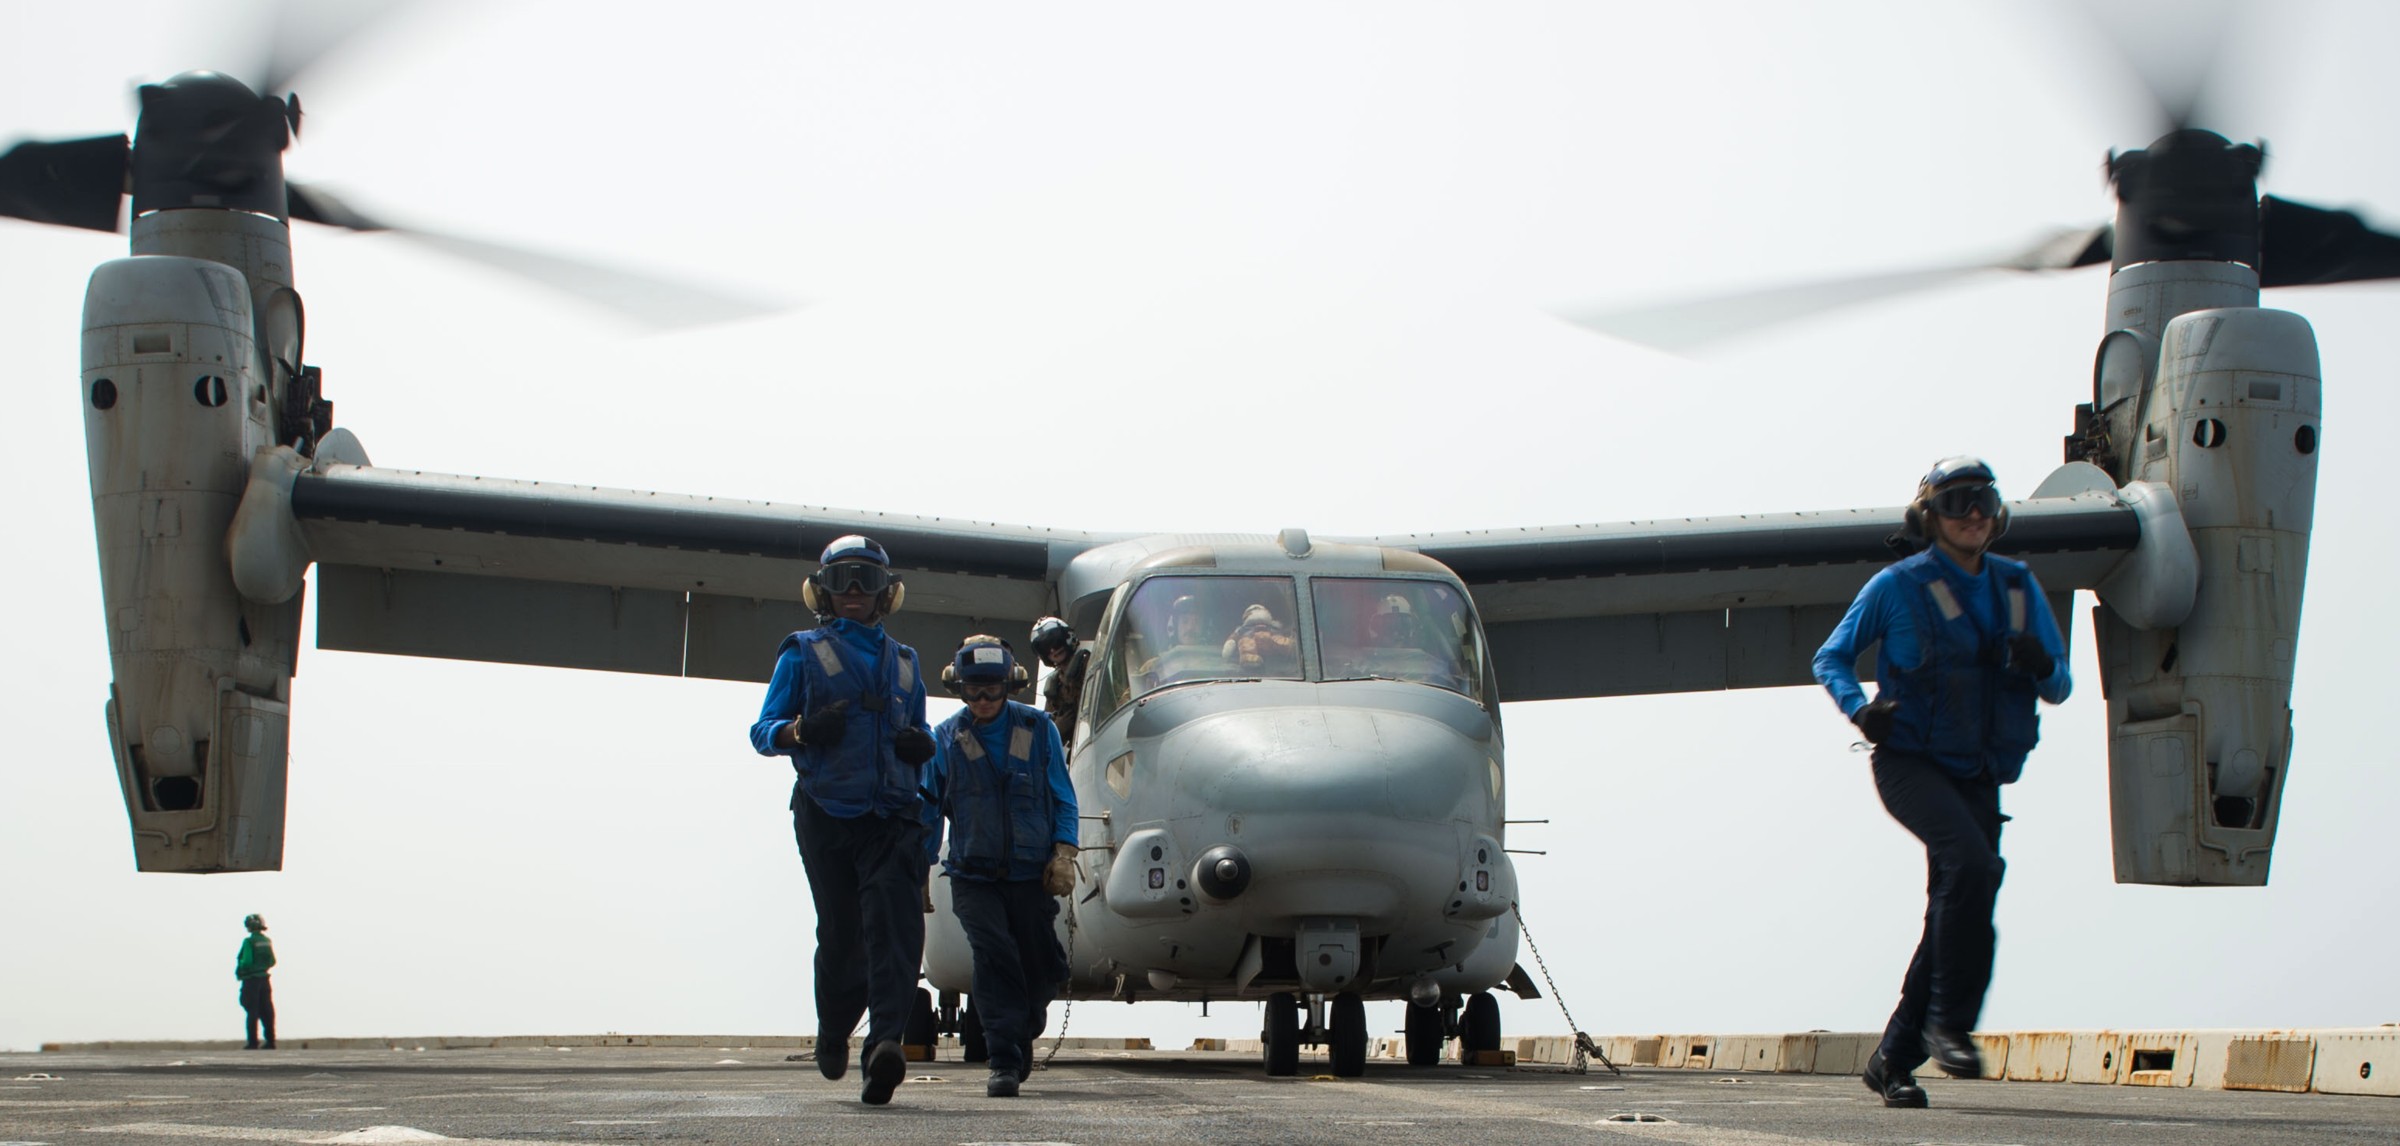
point(1262, 646)
point(1395, 647)
point(1194, 655)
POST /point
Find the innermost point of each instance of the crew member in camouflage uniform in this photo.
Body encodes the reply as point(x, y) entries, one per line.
point(1062, 694)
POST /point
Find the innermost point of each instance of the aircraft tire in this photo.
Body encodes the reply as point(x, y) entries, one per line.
point(919, 1030)
point(1479, 1028)
point(971, 1044)
point(1349, 1035)
point(945, 1013)
point(1279, 1040)
point(1424, 1035)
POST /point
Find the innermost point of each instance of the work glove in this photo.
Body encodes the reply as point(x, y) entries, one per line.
point(1875, 720)
point(928, 890)
point(2026, 655)
point(913, 746)
point(1059, 877)
point(823, 728)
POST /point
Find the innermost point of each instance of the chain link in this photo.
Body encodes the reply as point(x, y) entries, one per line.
point(1068, 1015)
point(1585, 1048)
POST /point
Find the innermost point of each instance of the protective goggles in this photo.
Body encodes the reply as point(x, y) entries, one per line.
point(983, 692)
point(1961, 500)
point(853, 577)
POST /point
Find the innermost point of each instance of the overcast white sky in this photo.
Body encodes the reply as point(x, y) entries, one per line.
point(1133, 243)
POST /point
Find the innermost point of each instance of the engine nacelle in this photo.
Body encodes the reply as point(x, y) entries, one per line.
point(2225, 415)
point(176, 404)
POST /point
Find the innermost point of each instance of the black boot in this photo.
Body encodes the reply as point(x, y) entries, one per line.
point(1898, 1087)
point(1954, 1052)
point(832, 1053)
point(1001, 1084)
point(885, 1065)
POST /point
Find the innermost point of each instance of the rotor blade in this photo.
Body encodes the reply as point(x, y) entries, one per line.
point(1696, 323)
point(75, 183)
point(301, 32)
point(2174, 48)
point(2300, 245)
point(653, 301)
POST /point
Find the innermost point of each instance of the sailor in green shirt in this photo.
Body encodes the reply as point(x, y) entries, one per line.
point(258, 995)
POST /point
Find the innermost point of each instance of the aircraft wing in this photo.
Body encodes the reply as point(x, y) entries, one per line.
point(1712, 603)
point(539, 573)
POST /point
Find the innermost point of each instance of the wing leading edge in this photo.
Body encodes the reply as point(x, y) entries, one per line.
point(540, 573)
point(1701, 604)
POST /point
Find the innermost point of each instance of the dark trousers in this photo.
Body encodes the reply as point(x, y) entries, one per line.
point(258, 1007)
point(866, 875)
point(1959, 822)
point(1017, 962)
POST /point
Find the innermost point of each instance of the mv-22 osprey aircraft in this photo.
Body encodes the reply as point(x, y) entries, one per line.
point(1312, 829)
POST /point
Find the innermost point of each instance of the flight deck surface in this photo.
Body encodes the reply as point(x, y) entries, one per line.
point(740, 1095)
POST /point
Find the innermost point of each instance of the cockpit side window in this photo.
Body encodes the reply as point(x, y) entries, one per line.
point(1181, 630)
point(1376, 627)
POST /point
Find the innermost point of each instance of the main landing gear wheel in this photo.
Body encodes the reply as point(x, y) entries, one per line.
point(1349, 1035)
point(1479, 1028)
point(1424, 1035)
point(971, 1044)
point(1279, 1041)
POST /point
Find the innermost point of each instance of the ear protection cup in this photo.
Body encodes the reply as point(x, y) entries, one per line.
point(810, 597)
point(895, 594)
point(1912, 521)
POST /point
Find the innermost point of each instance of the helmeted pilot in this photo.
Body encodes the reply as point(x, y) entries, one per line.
point(1062, 692)
point(1193, 655)
point(1968, 644)
point(1395, 647)
point(999, 778)
point(847, 706)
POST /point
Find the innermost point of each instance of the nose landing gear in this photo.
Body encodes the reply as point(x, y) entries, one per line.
point(1338, 1023)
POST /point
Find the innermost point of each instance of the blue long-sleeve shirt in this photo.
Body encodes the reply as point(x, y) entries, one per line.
point(1049, 755)
point(1883, 611)
point(784, 702)
point(861, 775)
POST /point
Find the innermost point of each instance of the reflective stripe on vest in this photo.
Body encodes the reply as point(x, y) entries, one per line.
point(1944, 599)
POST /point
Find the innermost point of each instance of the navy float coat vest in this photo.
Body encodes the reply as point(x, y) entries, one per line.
point(1963, 704)
point(862, 774)
point(1003, 812)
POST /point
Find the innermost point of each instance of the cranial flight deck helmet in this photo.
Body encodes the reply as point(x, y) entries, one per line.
point(255, 922)
point(853, 561)
point(1955, 487)
point(983, 659)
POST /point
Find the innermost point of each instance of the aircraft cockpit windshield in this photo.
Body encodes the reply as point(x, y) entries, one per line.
point(1179, 630)
point(1396, 629)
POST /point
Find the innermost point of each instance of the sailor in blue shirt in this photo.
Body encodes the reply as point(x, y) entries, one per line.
point(1967, 643)
point(847, 705)
point(999, 777)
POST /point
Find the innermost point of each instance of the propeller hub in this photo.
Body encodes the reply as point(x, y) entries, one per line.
point(205, 140)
